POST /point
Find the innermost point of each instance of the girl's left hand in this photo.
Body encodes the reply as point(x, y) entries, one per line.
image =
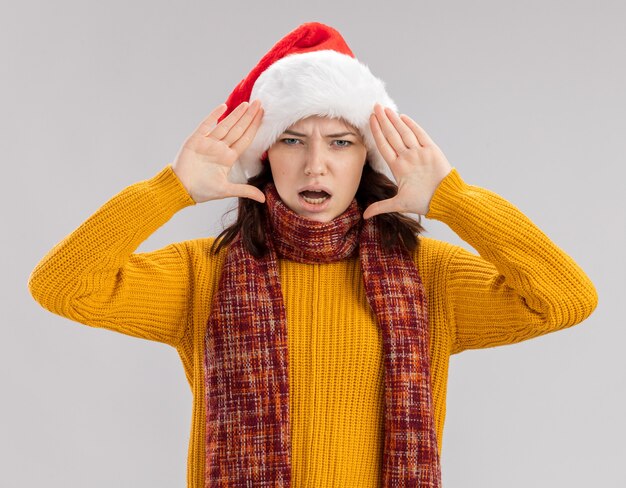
point(416, 162)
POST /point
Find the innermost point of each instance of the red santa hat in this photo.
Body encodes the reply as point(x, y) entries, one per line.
point(310, 71)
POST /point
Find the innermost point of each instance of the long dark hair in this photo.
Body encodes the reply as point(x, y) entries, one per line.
point(395, 227)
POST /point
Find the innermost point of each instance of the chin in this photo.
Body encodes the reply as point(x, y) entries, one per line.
point(320, 218)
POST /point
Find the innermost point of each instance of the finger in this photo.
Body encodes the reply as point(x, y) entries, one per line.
point(245, 191)
point(423, 138)
point(207, 124)
point(389, 130)
point(248, 136)
point(387, 152)
point(242, 124)
point(222, 128)
point(380, 207)
point(408, 136)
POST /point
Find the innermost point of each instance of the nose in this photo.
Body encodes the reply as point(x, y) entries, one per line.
point(315, 161)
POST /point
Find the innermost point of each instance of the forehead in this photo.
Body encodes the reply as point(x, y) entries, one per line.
point(323, 121)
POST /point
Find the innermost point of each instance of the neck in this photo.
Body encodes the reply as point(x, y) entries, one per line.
point(305, 240)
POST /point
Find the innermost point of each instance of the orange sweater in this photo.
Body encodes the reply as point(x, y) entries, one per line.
point(520, 286)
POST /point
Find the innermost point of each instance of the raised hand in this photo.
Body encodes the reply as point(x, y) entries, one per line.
point(416, 162)
point(206, 157)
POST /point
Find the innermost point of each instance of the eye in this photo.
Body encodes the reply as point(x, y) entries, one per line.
point(289, 139)
point(348, 143)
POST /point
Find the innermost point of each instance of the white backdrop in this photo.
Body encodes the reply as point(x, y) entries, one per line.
point(525, 98)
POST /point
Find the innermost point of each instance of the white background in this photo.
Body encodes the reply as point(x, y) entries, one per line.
point(526, 99)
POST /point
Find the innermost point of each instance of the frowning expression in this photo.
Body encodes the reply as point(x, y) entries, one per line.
point(317, 165)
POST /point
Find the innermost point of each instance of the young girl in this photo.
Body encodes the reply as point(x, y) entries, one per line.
point(315, 332)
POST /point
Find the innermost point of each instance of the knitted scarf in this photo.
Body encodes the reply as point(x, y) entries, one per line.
point(246, 356)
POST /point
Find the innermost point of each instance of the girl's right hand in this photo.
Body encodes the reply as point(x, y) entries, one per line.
point(206, 157)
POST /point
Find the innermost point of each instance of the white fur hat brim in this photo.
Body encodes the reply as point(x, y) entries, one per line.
point(325, 83)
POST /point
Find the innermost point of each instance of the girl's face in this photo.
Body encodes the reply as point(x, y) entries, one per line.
point(318, 153)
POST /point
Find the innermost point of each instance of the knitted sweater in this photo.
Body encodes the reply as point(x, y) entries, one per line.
point(520, 286)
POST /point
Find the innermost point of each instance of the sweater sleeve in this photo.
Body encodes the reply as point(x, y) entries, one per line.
point(520, 286)
point(93, 276)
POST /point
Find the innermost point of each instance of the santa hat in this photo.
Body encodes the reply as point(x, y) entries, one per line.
point(310, 71)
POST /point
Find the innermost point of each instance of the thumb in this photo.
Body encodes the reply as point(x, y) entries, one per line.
point(380, 207)
point(247, 191)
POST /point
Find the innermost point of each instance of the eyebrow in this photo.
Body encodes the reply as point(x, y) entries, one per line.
point(339, 134)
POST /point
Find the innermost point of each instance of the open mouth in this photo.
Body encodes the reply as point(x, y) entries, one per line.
point(314, 197)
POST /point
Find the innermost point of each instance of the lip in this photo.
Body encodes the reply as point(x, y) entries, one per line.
point(314, 187)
